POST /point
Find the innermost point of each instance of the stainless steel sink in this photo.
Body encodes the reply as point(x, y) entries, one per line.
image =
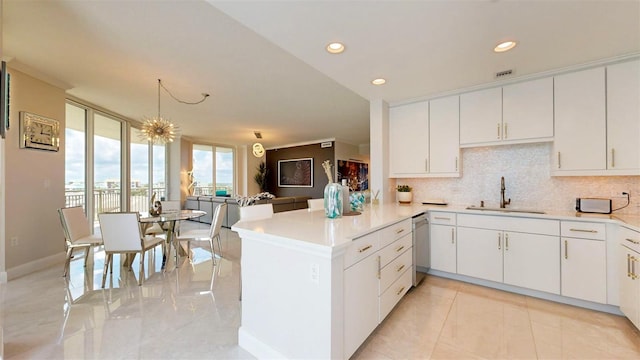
point(506, 210)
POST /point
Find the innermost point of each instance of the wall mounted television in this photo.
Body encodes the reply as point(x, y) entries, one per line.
point(4, 99)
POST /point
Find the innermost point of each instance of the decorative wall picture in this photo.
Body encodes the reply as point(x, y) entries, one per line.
point(295, 173)
point(356, 173)
point(39, 132)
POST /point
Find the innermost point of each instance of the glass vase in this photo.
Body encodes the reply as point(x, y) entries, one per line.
point(333, 200)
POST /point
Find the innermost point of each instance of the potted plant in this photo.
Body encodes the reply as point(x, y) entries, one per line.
point(261, 176)
point(404, 195)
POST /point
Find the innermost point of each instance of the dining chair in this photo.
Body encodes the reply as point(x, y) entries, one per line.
point(77, 234)
point(256, 212)
point(253, 212)
point(122, 235)
point(315, 204)
point(207, 234)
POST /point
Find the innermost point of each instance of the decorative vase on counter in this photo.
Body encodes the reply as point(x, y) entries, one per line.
point(333, 200)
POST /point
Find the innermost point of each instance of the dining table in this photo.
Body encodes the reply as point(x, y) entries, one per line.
point(169, 218)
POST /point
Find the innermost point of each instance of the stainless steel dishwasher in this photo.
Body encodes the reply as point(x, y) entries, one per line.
point(421, 256)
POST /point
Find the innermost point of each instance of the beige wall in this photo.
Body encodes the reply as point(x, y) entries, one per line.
point(34, 178)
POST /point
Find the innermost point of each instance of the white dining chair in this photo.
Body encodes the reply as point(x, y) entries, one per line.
point(122, 235)
point(253, 212)
point(207, 234)
point(77, 234)
point(315, 204)
point(256, 212)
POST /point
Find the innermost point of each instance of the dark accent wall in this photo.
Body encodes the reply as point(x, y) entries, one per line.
point(314, 151)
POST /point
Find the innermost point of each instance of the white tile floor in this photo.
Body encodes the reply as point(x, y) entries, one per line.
point(193, 312)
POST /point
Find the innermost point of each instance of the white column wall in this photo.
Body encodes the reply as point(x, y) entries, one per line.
point(379, 150)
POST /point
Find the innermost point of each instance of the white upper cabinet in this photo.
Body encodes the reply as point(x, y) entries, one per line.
point(580, 123)
point(527, 111)
point(444, 136)
point(623, 116)
point(481, 117)
point(409, 139)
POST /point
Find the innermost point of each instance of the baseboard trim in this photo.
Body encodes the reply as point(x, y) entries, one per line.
point(611, 309)
point(36, 265)
point(3, 277)
point(256, 347)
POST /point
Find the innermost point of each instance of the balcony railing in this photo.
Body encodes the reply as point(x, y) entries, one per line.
point(107, 200)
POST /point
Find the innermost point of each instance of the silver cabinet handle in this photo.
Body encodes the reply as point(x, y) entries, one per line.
point(498, 131)
point(452, 235)
point(559, 164)
point(441, 218)
point(506, 242)
point(566, 249)
point(505, 131)
point(613, 157)
point(379, 270)
point(361, 250)
point(633, 241)
point(585, 230)
point(628, 265)
point(456, 163)
point(426, 165)
point(499, 241)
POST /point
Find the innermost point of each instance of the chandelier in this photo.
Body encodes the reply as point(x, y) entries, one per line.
point(157, 129)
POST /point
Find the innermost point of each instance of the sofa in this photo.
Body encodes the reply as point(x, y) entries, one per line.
point(209, 203)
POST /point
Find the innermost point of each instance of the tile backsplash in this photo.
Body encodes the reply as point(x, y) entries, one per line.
point(526, 170)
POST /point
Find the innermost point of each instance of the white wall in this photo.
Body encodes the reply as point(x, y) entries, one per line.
point(526, 169)
point(379, 146)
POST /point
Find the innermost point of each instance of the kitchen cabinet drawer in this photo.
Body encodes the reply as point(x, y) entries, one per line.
point(361, 248)
point(443, 218)
point(506, 223)
point(394, 232)
point(630, 238)
point(394, 250)
point(394, 293)
point(583, 230)
point(394, 269)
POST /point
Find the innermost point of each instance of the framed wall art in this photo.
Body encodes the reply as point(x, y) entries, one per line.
point(295, 173)
point(39, 132)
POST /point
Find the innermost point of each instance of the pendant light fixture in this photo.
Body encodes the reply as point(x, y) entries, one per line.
point(157, 129)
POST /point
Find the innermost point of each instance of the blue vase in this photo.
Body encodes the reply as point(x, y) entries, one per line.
point(333, 200)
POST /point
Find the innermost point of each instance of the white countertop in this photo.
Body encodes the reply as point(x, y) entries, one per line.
point(313, 229)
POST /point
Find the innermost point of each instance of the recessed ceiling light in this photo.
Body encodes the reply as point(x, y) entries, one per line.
point(505, 46)
point(379, 81)
point(335, 48)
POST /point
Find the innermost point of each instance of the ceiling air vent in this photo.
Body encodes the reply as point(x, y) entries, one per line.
point(504, 73)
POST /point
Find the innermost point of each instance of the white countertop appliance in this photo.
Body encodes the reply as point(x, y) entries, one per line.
point(593, 205)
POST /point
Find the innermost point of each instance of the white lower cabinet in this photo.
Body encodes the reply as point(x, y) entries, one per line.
point(443, 247)
point(360, 303)
point(378, 272)
point(480, 253)
point(629, 274)
point(630, 284)
point(584, 261)
point(503, 249)
point(532, 261)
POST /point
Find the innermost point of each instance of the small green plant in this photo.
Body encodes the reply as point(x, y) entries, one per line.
point(404, 188)
point(261, 176)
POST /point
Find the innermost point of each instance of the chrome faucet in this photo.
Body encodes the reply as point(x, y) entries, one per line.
point(503, 202)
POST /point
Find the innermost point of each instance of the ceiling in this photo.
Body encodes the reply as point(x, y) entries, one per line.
point(264, 62)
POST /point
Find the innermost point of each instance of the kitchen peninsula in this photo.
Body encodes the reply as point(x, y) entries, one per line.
point(316, 288)
point(302, 292)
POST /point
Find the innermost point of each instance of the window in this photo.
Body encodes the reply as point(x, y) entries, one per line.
point(213, 175)
point(75, 156)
